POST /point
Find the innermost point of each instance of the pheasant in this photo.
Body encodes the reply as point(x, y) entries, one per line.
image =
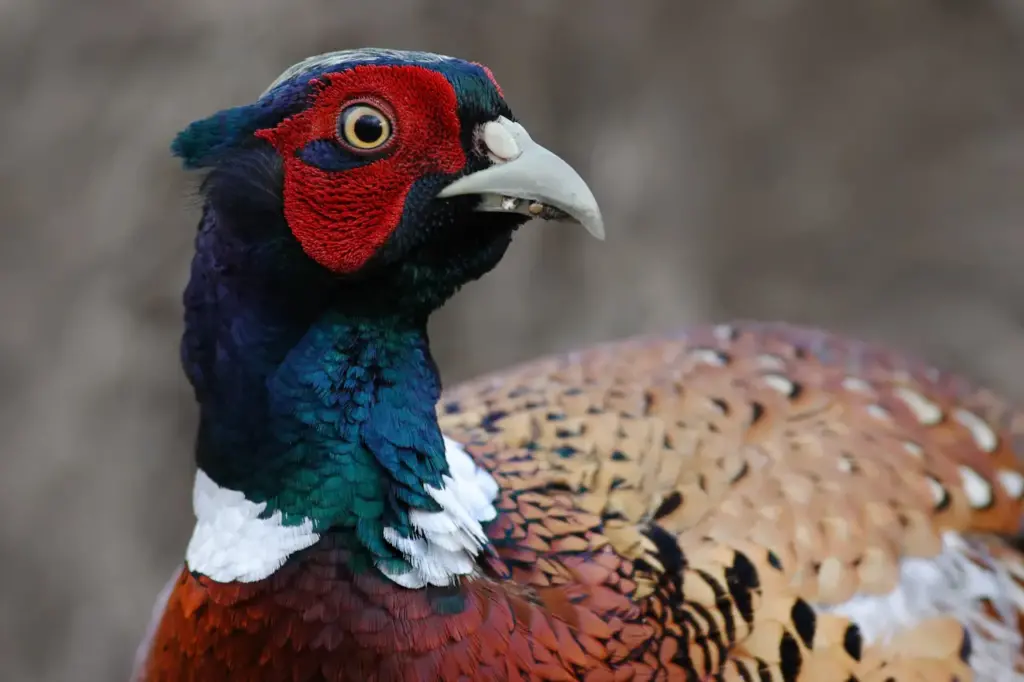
point(739, 502)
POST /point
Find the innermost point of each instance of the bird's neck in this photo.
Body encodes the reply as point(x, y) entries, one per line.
point(314, 416)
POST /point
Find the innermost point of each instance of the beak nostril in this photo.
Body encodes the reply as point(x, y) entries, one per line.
point(500, 142)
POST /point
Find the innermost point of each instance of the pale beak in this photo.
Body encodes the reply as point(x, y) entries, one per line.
point(526, 178)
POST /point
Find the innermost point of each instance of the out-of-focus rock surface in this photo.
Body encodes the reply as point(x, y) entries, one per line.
point(855, 165)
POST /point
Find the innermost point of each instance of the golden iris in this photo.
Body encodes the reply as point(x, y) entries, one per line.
point(364, 127)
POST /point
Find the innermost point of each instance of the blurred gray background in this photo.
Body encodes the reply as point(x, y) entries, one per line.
point(858, 165)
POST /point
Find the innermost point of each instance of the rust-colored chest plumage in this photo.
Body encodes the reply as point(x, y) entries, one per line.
point(743, 502)
point(316, 620)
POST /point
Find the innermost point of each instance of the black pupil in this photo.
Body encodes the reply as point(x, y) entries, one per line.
point(368, 129)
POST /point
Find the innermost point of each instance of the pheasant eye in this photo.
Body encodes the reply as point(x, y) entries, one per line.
point(364, 128)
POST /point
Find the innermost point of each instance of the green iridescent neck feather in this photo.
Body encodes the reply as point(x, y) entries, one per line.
point(315, 398)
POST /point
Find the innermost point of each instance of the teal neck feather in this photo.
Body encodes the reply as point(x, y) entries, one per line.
point(354, 436)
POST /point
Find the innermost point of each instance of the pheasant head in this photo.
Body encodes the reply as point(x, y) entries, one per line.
point(403, 173)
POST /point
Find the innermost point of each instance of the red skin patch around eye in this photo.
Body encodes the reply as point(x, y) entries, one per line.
point(342, 218)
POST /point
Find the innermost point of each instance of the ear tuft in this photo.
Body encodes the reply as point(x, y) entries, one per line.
point(205, 141)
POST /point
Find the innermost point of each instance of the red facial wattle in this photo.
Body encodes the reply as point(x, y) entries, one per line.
point(342, 218)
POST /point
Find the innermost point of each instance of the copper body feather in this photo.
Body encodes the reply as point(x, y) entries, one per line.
point(702, 506)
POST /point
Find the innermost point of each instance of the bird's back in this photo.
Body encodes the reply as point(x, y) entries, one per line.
point(766, 483)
